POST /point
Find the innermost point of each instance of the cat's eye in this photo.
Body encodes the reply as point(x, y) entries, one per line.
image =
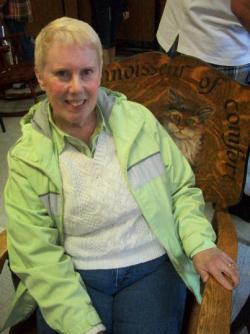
point(191, 122)
point(176, 118)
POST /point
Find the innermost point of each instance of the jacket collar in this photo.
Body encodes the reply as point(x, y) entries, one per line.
point(123, 120)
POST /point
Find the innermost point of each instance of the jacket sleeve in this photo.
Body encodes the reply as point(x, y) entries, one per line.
point(194, 230)
point(39, 260)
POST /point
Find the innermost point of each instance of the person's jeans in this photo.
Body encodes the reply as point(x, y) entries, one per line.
point(148, 298)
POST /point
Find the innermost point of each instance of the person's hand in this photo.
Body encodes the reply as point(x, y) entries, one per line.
point(125, 15)
point(215, 262)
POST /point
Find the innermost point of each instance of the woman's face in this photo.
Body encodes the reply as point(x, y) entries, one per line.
point(71, 78)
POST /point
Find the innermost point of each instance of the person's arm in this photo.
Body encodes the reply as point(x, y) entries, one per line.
point(38, 258)
point(241, 9)
point(196, 233)
point(215, 262)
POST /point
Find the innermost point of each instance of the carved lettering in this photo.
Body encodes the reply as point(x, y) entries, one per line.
point(148, 69)
point(129, 72)
point(207, 84)
point(233, 156)
point(176, 71)
point(233, 118)
point(112, 75)
point(137, 70)
point(231, 137)
point(231, 171)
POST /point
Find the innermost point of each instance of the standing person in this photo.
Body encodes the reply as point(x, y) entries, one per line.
point(101, 204)
point(15, 16)
point(219, 34)
point(108, 17)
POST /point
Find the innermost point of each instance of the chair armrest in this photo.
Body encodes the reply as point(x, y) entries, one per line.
point(3, 249)
point(214, 313)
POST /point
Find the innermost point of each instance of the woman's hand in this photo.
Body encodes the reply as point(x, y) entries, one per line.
point(215, 262)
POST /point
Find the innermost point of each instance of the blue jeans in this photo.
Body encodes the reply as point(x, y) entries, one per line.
point(148, 298)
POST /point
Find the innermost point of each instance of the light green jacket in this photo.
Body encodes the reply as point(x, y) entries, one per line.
point(158, 176)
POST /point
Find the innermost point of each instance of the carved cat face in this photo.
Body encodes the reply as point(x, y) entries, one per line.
point(184, 120)
point(181, 125)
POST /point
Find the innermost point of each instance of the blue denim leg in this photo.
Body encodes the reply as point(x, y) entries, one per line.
point(148, 298)
point(153, 305)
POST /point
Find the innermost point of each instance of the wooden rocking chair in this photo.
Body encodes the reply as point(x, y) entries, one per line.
point(219, 109)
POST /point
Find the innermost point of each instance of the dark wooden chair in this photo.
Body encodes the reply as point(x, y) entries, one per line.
point(188, 93)
point(14, 70)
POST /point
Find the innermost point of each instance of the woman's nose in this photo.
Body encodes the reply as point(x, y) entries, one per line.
point(76, 84)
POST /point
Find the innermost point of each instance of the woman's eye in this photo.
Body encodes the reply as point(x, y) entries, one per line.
point(86, 72)
point(63, 75)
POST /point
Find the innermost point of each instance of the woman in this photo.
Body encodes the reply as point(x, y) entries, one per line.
point(105, 227)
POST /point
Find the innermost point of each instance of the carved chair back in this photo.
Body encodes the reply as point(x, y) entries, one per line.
point(207, 114)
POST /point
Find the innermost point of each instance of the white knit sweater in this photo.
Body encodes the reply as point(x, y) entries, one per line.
point(103, 226)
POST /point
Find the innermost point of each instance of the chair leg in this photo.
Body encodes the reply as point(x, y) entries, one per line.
point(2, 124)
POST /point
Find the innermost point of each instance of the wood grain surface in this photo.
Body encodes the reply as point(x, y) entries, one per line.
point(149, 78)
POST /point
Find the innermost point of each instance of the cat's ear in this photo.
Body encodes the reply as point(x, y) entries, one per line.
point(205, 113)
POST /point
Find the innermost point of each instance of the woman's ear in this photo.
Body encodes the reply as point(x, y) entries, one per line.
point(40, 80)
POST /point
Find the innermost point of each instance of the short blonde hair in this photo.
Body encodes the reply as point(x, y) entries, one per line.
point(66, 30)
